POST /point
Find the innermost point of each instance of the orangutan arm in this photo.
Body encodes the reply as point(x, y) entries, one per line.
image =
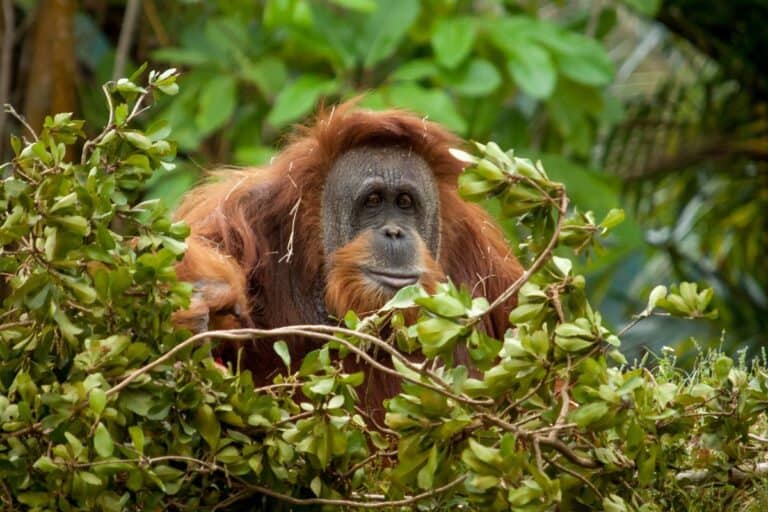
point(219, 300)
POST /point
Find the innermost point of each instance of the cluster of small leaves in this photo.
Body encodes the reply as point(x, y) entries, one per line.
point(525, 192)
point(88, 288)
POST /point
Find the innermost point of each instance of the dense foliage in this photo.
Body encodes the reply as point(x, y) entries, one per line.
point(656, 105)
point(103, 406)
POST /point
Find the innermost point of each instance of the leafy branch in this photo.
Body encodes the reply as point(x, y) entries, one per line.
point(104, 405)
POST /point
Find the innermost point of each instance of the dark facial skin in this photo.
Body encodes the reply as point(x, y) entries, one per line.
point(391, 192)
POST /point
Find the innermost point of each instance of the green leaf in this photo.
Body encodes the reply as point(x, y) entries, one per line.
point(657, 294)
point(137, 438)
point(126, 86)
point(281, 348)
point(45, 464)
point(532, 68)
point(254, 462)
point(68, 329)
point(583, 60)
point(569, 330)
point(75, 445)
point(614, 503)
point(102, 441)
point(64, 202)
point(435, 333)
point(208, 425)
point(385, 29)
point(316, 485)
point(613, 218)
point(405, 297)
point(722, 367)
point(137, 139)
point(72, 223)
point(216, 103)
point(486, 454)
point(572, 344)
point(335, 402)
point(563, 265)
point(228, 455)
point(323, 386)
point(89, 478)
point(415, 70)
point(97, 399)
point(299, 97)
point(443, 305)
point(269, 74)
point(587, 414)
point(426, 475)
point(474, 187)
point(84, 293)
point(452, 40)
point(35, 499)
point(478, 78)
point(525, 312)
point(315, 361)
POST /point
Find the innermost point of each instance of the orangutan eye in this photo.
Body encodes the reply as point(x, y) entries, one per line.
point(373, 200)
point(404, 201)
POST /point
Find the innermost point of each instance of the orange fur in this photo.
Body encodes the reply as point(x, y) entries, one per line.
point(244, 232)
point(348, 289)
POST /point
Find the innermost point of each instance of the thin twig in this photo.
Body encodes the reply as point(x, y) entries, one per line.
point(124, 43)
point(538, 456)
point(365, 461)
point(555, 444)
point(297, 417)
point(554, 294)
point(375, 424)
point(542, 258)
point(576, 474)
point(409, 500)
point(107, 127)
point(639, 318)
point(389, 349)
point(222, 505)
point(758, 438)
point(7, 496)
point(569, 454)
point(520, 401)
point(247, 334)
point(565, 398)
point(20, 118)
point(280, 385)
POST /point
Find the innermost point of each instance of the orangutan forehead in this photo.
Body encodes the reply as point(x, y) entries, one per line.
point(389, 165)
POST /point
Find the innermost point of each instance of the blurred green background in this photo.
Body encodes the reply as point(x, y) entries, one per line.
point(655, 106)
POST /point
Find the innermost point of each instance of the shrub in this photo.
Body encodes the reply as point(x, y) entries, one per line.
point(104, 406)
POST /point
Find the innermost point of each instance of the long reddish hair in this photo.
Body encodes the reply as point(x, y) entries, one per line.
point(264, 224)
